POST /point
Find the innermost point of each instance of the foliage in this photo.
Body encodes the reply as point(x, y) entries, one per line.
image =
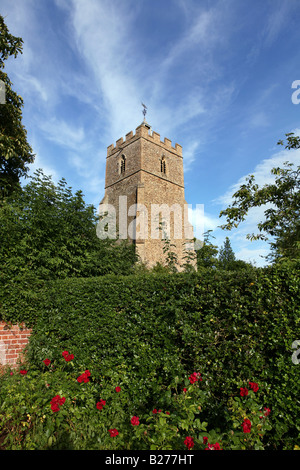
point(58, 406)
point(142, 332)
point(15, 152)
point(282, 202)
point(48, 232)
point(207, 254)
point(226, 255)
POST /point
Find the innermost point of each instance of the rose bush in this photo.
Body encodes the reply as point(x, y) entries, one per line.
point(72, 420)
point(233, 328)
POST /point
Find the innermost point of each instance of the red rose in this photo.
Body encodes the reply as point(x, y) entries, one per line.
point(135, 421)
point(47, 362)
point(189, 442)
point(154, 411)
point(243, 392)
point(68, 357)
point(113, 432)
point(54, 407)
point(205, 440)
point(56, 402)
point(246, 425)
point(100, 404)
point(215, 446)
point(23, 372)
point(184, 390)
point(84, 377)
point(167, 412)
point(267, 411)
point(254, 386)
point(118, 389)
point(194, 377)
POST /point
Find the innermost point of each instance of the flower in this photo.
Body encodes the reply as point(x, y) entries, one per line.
point(54, 407)
point(135, 421)
point(189, 442)
point(205, 440)
point(68, 357)
point(56, 402)
point(23, 372)
point(47, 362)
point(243, 392)
point(246, 425)
point(215, 446)
point(113, 432)
point(100, 404)
point(254, 386)
point(154, 411)
point(267, 411)
point(194, 377)
point(184, 390)
point(167, 412)
point(84, 377)
point(118, 389)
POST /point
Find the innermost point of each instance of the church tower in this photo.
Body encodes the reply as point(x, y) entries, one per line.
point(144, 183)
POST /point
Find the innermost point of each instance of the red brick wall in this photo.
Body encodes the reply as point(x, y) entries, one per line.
point(13, 339)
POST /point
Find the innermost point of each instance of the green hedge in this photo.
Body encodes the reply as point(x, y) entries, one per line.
point(146, 330)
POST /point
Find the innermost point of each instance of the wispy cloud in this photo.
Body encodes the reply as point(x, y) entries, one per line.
point(262, 173)
point(63, 133)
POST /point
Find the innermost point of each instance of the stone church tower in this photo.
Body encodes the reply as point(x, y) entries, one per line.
point(144, 183)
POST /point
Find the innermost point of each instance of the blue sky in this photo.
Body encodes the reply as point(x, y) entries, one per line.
point(216, 77)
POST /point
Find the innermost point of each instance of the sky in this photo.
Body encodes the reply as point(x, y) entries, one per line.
point(219, 77)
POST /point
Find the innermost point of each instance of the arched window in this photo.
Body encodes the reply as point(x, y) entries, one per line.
point(163, 165)
point(122, 165)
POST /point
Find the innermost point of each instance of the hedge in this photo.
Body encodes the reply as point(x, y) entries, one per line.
point(147, 330)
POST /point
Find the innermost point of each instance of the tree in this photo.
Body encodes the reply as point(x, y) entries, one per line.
point(48, 231)
point(282, 213)
point(207, 254)
point(15, 151)
point(226, 256)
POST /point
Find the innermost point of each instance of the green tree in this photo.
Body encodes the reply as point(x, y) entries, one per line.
point(226, 255)
point(15, 151)
point(207, 254)
point(282, 201)
point(50, 232)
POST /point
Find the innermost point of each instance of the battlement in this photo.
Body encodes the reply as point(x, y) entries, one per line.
point(146, 132)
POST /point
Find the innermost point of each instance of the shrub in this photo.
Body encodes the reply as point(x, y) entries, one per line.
point(143, 331)
point(60, 407)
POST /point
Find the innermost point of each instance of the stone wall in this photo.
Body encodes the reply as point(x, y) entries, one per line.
point(144, 182)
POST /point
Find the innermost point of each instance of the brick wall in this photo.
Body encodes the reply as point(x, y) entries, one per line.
point(13, 339)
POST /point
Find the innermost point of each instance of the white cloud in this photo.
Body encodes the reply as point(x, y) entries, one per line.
point(254, 256)
point(63, 133)
point(262, 173)
point(263, 176)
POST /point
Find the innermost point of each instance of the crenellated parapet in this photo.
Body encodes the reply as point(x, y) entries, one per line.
point(145, 132)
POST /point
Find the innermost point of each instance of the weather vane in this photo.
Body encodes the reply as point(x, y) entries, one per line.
point(144, 110)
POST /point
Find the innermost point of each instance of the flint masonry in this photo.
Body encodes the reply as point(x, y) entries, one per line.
point(144, 182)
